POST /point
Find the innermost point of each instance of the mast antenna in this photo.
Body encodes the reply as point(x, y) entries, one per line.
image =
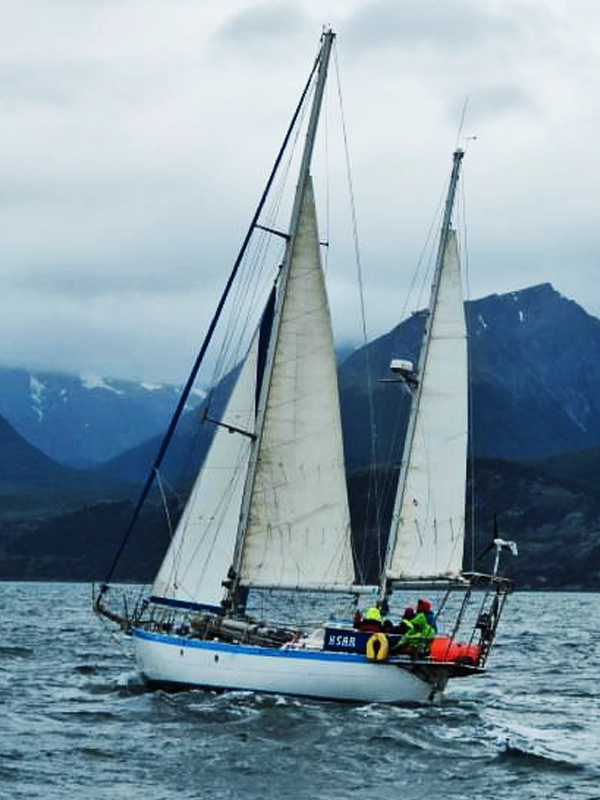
point(462, 122)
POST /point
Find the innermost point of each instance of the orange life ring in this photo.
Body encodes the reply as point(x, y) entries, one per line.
point(378, 647)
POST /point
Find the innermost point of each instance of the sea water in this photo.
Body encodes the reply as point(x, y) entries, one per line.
point(78, 723)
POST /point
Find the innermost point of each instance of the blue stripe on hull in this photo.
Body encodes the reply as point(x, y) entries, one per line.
point(322, 675)
point(266, 652)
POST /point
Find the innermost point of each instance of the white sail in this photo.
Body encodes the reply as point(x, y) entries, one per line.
point(273, 505)
point(202, 548)
point(428, 526)
point(298, 528)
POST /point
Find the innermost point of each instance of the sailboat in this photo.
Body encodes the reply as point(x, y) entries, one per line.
point(269, 510)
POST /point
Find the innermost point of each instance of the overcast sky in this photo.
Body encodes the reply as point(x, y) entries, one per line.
point(136, 136)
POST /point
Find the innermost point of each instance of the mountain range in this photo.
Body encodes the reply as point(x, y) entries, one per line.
point(84, 420)
point(535, 448)
point(535, 379)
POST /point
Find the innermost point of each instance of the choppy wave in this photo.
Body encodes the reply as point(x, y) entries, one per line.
point(15, 652)
point(79, 722)
point(536, 760)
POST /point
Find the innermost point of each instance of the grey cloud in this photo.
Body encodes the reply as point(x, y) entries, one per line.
point(496, 99)
point(110, 277)
point(443, 24)
point(68, 84)
point(265, 31)
point(47, 83)
point(132, 156)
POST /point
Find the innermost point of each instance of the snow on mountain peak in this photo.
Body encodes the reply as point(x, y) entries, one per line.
point(152, 387)
point(36, 392)
point(91, 381)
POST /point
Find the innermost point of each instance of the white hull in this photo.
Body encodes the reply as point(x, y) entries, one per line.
point(177, 661)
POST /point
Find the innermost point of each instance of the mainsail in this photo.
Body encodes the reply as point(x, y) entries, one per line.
point(428, 523)
point(277, 500)
point(298, 523)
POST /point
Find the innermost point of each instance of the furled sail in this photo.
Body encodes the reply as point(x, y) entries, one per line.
point(429, 519)
point(298, 523)
point(202, 548)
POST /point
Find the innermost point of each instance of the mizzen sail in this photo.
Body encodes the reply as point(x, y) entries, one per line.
point(428, 524)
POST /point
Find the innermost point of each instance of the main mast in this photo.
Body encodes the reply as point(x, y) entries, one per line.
point(423, 356)
point(311, 132)
point(303, 179)
point(98, 604)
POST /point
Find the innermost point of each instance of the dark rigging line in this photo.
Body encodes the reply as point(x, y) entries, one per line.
point(462, 121)
point(209, 334)
point(373, 438)
point(470, 438)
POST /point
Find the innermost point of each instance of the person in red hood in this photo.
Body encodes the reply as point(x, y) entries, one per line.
point(424, 607)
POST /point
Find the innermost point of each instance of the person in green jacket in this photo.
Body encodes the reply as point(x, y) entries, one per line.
point(404, 629)
point(424, 606)
point(419, 633)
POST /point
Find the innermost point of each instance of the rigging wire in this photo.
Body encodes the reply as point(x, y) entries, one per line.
point(359, 270)
point(164, 502)
point(207, 339)
point(426, 260)
point(257, 274)
point(394, 443)
point(415, 296)
point(241, 310)
point(462, 121)
point(327, 186)
point(207, 542)
point(470, 437)
point(238, 320)
point(466, 272)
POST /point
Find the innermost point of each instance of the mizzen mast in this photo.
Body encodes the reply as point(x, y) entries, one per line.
point(445, 234)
